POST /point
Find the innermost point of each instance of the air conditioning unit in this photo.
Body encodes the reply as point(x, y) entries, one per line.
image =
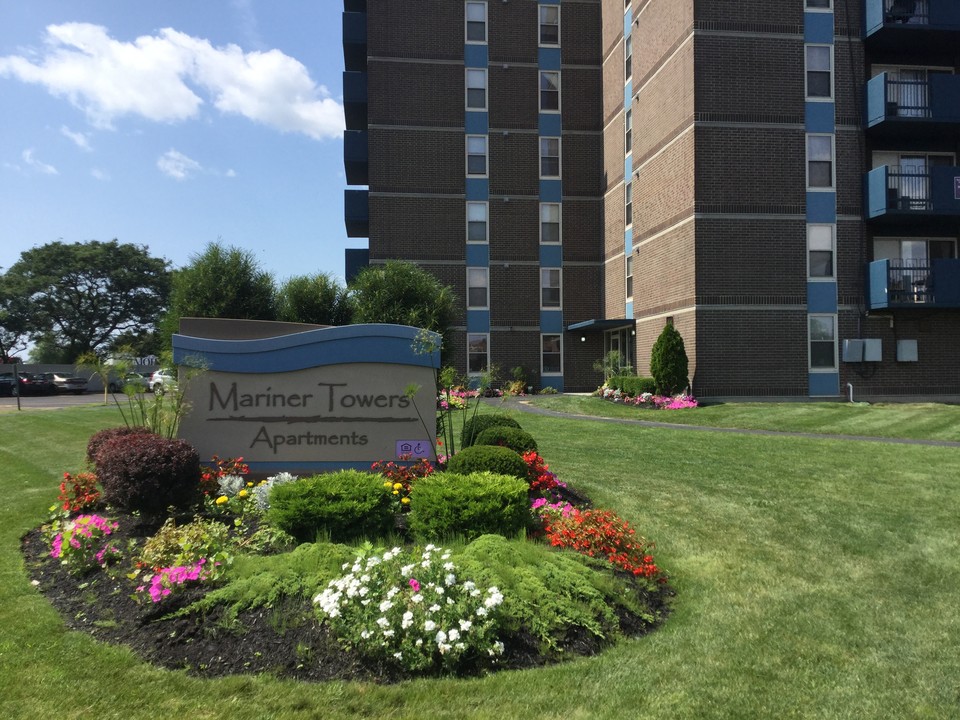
point(853, 350)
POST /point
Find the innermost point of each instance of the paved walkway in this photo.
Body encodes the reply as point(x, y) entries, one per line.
point(523, 405)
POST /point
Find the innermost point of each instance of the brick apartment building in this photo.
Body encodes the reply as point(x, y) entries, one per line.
point(777, 178)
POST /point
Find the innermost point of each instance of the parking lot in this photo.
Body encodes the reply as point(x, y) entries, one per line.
point(52, 402)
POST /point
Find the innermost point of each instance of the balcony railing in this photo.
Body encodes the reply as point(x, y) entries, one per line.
point(908, 282)
point(894, 22)
point(356, 156)
point(893, 100)
point(355, 100)
point(355, 41)
point(905, 191)
point(356, 213)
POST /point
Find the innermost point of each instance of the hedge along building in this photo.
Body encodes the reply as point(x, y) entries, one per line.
point(777, 178)
point(302, 399)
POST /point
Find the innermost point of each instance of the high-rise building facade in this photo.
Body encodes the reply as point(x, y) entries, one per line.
point(777, 179)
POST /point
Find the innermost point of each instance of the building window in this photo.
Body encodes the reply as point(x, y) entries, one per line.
point(478, 286)
point(550, 157)
point(819, 60)
point(550, 222)
point(549, 24)
point(550, 288)
point(820, 161)
point(819, 4)
point(628, 132)
point(627, 58)
point(629, 276)
point(478, 353)
point(823, 342)
point(477, 213)
point(551, 357)
point(820, 251)
point(628, 203)
point(477, 155)
point(476, 15)
point(476, 89)
point(549, 91)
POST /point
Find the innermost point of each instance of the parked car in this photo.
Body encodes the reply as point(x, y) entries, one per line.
point(31, 384)
point(6, 384)
point(163, 380)
point(137, 381)
point(65, 383)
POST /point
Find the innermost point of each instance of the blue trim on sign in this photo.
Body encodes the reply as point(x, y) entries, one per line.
point(478, 255)
point(822, 207)
point(551, 191)
point(551, 321)
point(478, 321)
point(551, 256)
point(822, 297)
point(550, 124)
point(819, 117)
point(818, 27)
point(823, 384)
point(478, 188)
point(548, 58)
point(374, 343)
point(476, 56)
point(476, 123)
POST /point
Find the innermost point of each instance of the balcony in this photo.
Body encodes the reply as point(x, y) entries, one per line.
point(355, 100)
point(355, 41)
point(355, 157)
point(907, 283)
point(898, 195)
point(906, 25)
point(356, 213)
point(899, 108)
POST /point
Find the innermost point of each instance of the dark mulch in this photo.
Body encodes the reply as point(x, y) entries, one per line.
point(286, 641)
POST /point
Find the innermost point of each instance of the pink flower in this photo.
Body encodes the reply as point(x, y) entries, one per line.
point(414, 585)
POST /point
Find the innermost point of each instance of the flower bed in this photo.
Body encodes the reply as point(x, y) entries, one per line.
point(647, 400)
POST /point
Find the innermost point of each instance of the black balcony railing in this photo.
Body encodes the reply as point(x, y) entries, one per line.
point(908, 98)
point(914, 282)
point(908, 189)
point(914, 12)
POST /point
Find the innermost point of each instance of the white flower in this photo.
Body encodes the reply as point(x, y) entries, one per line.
point(469, 585)
point(449, 566)
point(425, 563)
point(449, 601)
point(392, 592)
point(388, 633)
point(445, 556)
point(465, 625)
point(365, 634)
point(430, 547)
point(398, 655)
point(429, 626)
point(441, 637)
point(417, 598)
point(433, 608)
point(406, 569)
point(385, 605)
point(383, 622)
point(363, 591)
point(481, 612)
point(443, 648)
point(450, 579)
point(419, 642)
point(407, 620)
point(439, 589)
point(454, 634)
point(497, 649)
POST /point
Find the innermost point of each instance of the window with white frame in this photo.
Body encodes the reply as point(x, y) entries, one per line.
point(549, 91)
point(476, 83)
point(550, 288)
point(477, 155)
point(628, 203)
point(628, 132)
point(823, 342)
point(549, 24)
point(550, 223)
point(477, 222)
point(550, 157)
point(478, 288)
point(629, 276)
point(819, 64)
point(478, 353)
point(476, 19)
point(627, 58)
point(551, 356)
point(820, 162)
point(820, 251)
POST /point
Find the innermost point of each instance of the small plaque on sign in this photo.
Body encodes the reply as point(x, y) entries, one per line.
point(956, 188)
point(413, 449)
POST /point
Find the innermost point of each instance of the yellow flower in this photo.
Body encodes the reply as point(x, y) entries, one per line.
point(243, 493)
point(388, 484)
point(396, 492)
point(405, 501)
point(223, 499)
point(249, 484)
point(398, 486)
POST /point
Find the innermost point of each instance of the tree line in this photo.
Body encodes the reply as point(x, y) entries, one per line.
point(69, 300)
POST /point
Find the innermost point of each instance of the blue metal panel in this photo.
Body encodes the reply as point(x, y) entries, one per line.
point(876, 99)
point(818, 27)
point(374, 343)
point(945, 97)
point(478, 255)
point(478, 321)
point(551, 191)
point(355, 156)
point(475, 56)
point(548, 58)
point(819, 117)
point(550, 124)
point(824, 384)
point(822, 297)
point(356, 213)
point(551, 321)
point(628, 93)
point(354, 260)
point(945, 190)
point(554, 381)
point(822, 207)
point(945, 13)
point(876, 191)
point(476, 123)
point(628, 166)
point(355, 100)
point(478, 189)
point(877, 284)
point(627, 21)
point(628, 240)
point(946, 283)
point(873, 16)
point(355, 40)
point(551, 256)
point(628, 310)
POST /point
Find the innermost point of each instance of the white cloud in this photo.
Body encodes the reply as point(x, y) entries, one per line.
point(177, 165)
point(80, 139)
point(231, 173)
point(39, 166)
point(99, 174)
point(108, 78)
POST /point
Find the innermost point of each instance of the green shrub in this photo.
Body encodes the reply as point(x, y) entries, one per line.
point(148, 473)
point(174, 545)
point(520, 441)
point(487, 458)
point(97, 440)
point(446, 504)
point(478, 423)
point(668, 362)
point(633, 385)
point(345, 506)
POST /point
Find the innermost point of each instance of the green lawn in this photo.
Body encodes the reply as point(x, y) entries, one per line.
point(816, 579)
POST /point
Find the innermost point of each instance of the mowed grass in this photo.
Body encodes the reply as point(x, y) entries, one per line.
point(815, 579)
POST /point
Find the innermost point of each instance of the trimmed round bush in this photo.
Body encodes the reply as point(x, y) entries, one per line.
point(98, 439)
point(520, 441)
point(478, 423)
point(487, 458)
point(148, 473)
point(668, 362)
point(633, 385)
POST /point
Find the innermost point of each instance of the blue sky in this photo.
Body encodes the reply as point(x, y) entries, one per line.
point(174, 124)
